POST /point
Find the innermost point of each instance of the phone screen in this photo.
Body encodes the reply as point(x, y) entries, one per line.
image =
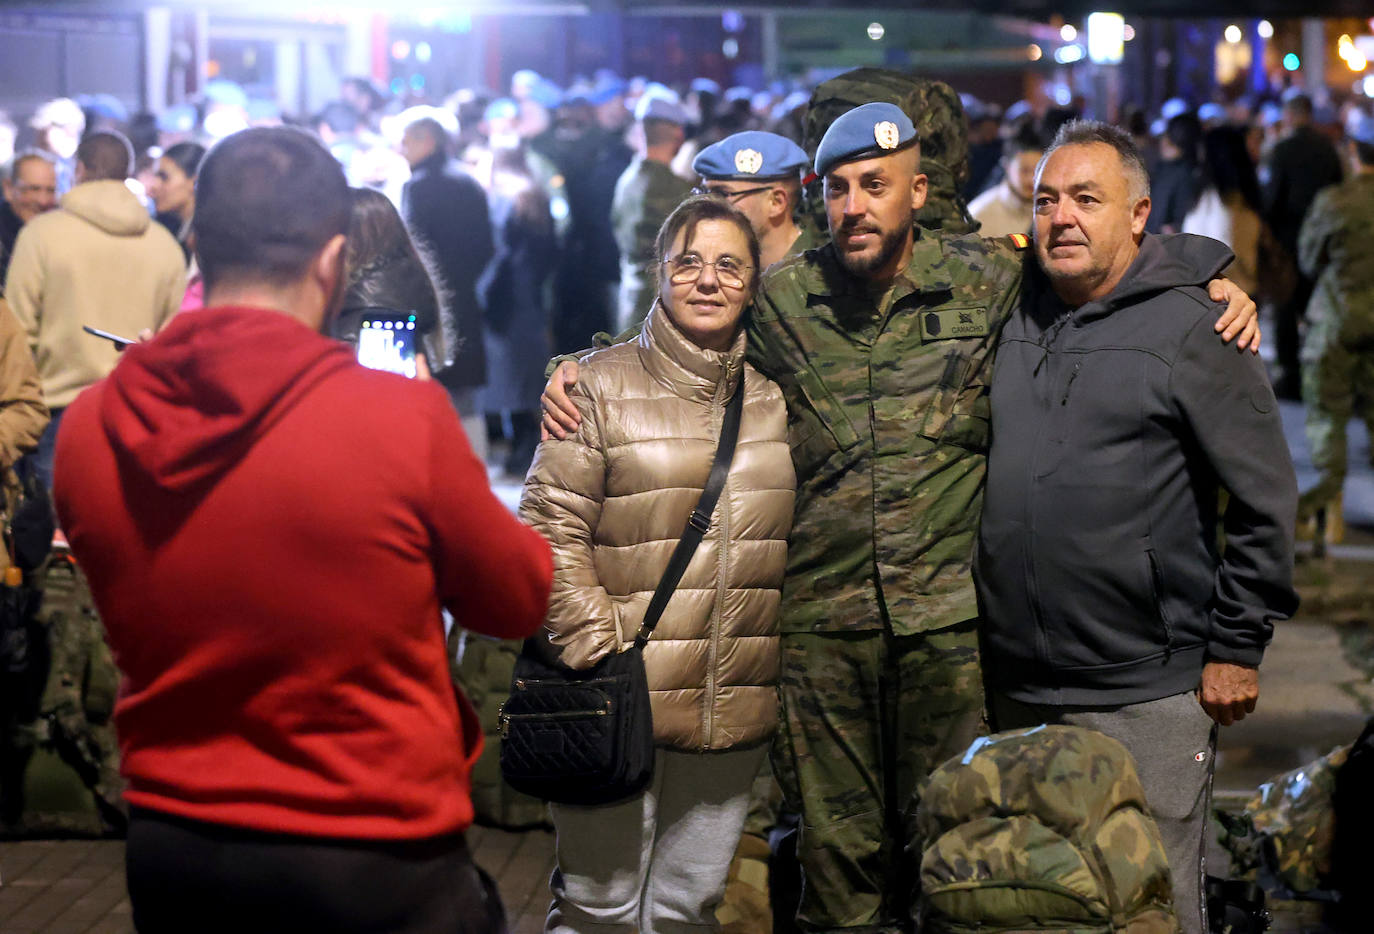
point(388, 343)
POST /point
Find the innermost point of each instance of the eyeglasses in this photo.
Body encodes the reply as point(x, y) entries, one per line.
point(688, 267)
point(730, 196)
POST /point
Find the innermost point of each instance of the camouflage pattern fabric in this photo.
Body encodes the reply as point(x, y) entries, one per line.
point(888, 424)
point(938, 115)
point(646, 193)
point(481, 667)
point(1041, 830)
point(1336, 247)
point(1289, 826)
point(60, 771)
point(866, 716)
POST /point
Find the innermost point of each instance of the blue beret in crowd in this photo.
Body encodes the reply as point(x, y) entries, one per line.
point(750, 156)
point(658, 107)
point(866, 132)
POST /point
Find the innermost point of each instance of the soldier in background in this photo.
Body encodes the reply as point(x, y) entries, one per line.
point(645, 195)
point(760, 175)
point(1336, 248)
point(1298, 166)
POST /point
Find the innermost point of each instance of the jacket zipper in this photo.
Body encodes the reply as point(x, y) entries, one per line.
point(722, 551)
point(1069, 385)
point(1157, 585)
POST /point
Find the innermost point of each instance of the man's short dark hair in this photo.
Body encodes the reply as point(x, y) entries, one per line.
point(1299, 104)
point(1026, 138)
point(267, 201)
point(339, 117)
point(1084, 132)
point(106, 154)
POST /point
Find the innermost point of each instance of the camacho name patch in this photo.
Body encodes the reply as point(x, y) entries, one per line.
point(953, 323)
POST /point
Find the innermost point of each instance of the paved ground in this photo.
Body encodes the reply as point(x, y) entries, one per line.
point(1316, 693)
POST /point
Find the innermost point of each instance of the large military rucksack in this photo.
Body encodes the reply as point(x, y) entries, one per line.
point(59, 764)
point(938, 114)
point(1041, 830)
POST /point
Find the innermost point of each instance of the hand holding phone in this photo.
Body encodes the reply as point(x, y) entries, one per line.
point(387, 342)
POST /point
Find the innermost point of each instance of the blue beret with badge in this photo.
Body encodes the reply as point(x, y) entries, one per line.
point(866, 132)
point(749, 156)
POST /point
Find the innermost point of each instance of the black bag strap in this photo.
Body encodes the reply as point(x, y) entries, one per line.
point(700, 519)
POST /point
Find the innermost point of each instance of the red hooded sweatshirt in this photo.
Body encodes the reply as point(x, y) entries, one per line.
point(269, 530)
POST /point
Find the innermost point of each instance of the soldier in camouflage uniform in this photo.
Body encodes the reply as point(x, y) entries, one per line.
point(645, 194)
point(1336, 248)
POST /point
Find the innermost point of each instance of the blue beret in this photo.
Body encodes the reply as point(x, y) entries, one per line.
point(1361, 129)
point(657, 106)
point(866, 132)
point(705, 86)
point(503, 108)
point(750, 155)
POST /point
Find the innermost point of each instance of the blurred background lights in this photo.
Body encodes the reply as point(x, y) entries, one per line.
point(1068, 54)
point(876, 31)
point(1068, 33)
point(1291, 62)
point(1127, 32)
point(1233, 34)
point(400, 50)
point(1034, 52)
point(1265, 29)
point(423, 52)
point(1106, 38)
point(1368, 86)
point(730, 48)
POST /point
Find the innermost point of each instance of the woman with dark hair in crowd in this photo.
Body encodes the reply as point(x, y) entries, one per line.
point(174, 188)
point(1228, 206)
point(385, 273)
point(513, 293)
point(613, 500)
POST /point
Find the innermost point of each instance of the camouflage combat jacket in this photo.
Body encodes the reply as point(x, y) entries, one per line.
point(1336, 247)
point(888, 425)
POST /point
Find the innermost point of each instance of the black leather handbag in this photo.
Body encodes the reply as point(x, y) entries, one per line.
point(587, 737)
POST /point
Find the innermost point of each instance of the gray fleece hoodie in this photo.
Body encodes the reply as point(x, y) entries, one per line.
point(1115, 427)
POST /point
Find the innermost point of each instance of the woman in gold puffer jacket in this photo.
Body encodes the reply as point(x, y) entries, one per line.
point(613, 501)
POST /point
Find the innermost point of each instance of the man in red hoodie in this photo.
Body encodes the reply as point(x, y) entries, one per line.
point(270, 531)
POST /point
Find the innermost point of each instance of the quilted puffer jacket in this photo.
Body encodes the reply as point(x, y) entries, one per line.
point(613, 501)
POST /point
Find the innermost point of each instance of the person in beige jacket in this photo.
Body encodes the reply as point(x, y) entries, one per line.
point(613, 501)
point(97, 260)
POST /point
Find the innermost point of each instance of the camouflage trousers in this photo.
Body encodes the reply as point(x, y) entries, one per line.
point(866, 717)
point(1337, 380)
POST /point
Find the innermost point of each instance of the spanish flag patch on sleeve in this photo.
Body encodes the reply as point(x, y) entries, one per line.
point(1020, 241)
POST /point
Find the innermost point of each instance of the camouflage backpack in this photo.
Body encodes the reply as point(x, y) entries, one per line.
point(938, 114)
point(481, 667)
point(1041, 830)
point(59, 764)
point(1287, 830)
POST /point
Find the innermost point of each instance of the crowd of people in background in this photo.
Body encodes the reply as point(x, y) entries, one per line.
point(570, 184)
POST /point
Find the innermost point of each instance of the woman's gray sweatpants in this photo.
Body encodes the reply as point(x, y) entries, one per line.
point(655, 863)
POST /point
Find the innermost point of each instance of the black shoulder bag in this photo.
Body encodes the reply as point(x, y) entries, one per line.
point(587, 737)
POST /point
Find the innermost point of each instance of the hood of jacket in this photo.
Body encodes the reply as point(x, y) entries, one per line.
point(1163, 263)
point(109, 205)
point(182, 409)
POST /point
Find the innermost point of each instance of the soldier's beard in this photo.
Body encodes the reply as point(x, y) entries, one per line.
point(865, 264)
